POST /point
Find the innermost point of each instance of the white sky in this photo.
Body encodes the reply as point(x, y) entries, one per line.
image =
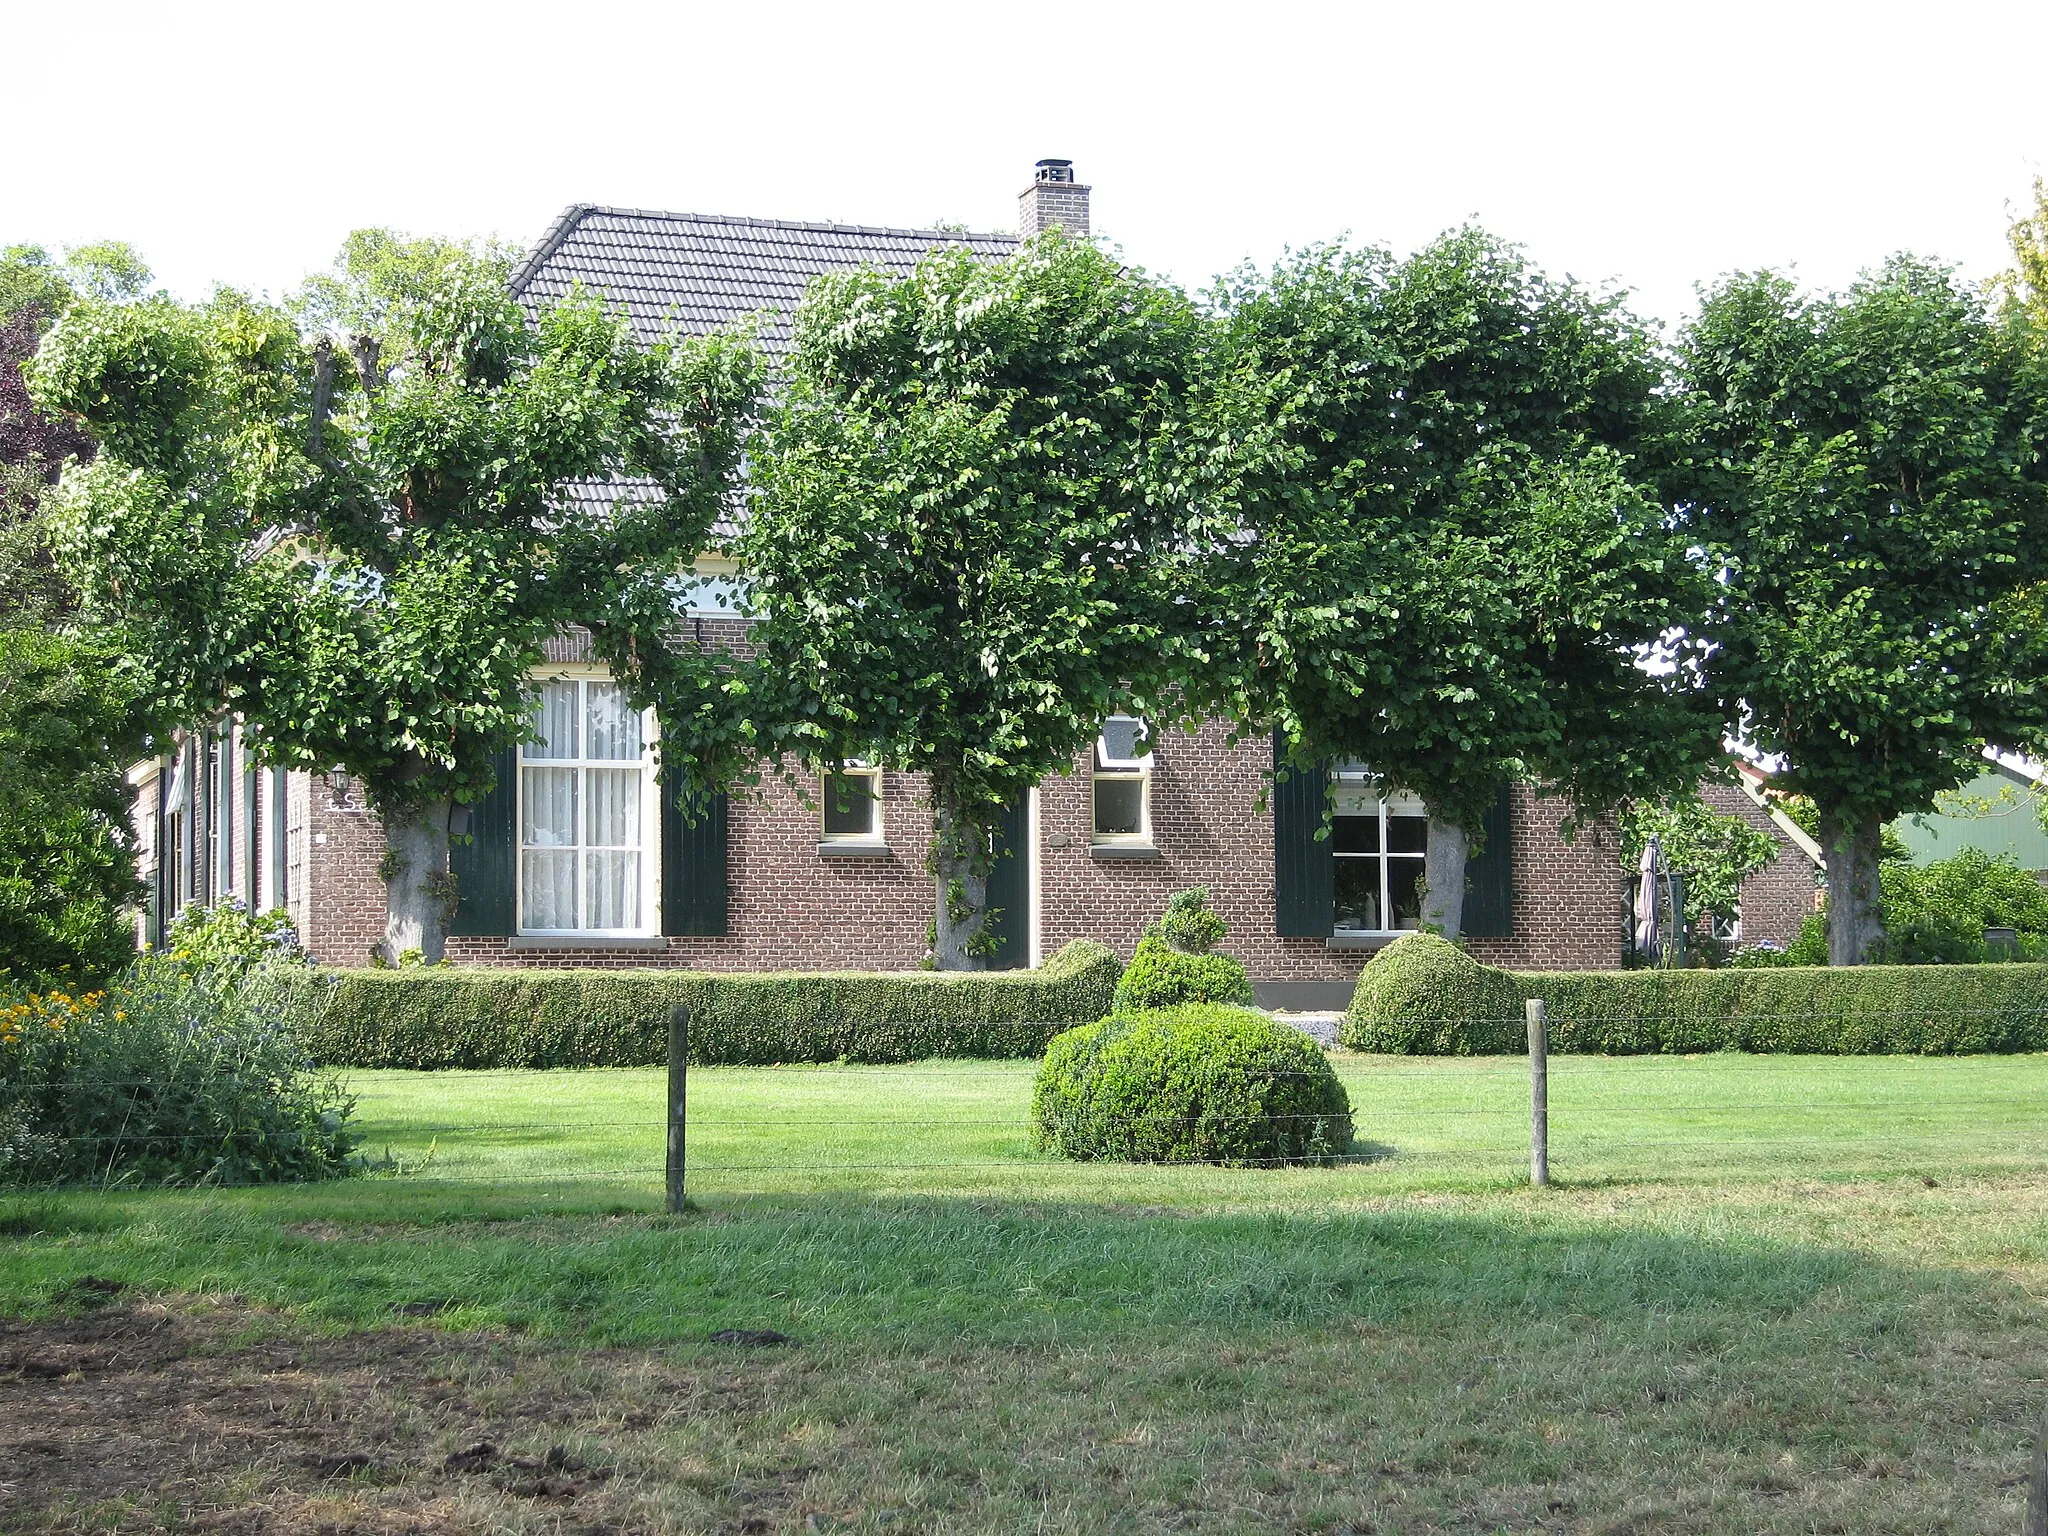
point(1654, 143)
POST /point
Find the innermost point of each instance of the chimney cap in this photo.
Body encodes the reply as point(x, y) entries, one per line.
point(1055, 170)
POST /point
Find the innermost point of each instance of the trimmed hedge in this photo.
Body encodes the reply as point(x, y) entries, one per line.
point(1425, 997)
point(493, 1016)
point(1160, 976)
point(1201, 1084)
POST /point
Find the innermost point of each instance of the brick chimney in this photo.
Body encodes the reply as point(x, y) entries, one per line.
point(1053, 198)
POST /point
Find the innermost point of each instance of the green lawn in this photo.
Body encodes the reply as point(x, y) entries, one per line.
point(1766, 1295)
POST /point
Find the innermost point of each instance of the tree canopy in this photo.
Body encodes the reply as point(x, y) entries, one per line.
point(956, 531)
point(1440, 548)
point(1868, 485)
point(359, 543)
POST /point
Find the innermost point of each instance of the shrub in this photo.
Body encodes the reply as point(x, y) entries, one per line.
point(1187, 923)
point(163, 1079)
point(450, 1016)
point(1160, 976)
point(1200, 1084)
point(1422, 995)
point(228, 941)
point(1438, 1001)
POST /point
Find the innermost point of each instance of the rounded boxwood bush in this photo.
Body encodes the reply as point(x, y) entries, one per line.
point(1160, 976)
point(1424, 996)
point(1205, 1083)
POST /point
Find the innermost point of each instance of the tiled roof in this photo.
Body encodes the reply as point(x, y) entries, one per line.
point(695, 272)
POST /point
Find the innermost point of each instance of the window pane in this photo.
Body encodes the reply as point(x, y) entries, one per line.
point(849, 804)
point(1358, 895)
point(547, 812)
point(555, 714)
point(548, 897)
point(1407, 834)
point(1119, 807)
point(1355, 834)
point(611, 893)
point(614, 819)
point(1120, 738)
point(1403, 878)
point(614, 724)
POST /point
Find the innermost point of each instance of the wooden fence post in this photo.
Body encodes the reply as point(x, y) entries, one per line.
point(678, 1094)
point(2037, 1487)
point(1539, 1093)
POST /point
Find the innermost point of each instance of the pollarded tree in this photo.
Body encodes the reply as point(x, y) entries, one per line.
point(1869, 481)
point(360, 543)
point(952, 546)
point(1441, 551)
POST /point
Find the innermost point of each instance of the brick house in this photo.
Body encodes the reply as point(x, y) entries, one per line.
point(575, 859)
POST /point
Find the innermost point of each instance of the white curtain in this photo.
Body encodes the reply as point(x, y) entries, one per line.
point(555, 713)
point(614, 725)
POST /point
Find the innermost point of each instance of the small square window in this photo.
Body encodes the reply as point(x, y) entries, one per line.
point(853, 805)
point(1123, 781)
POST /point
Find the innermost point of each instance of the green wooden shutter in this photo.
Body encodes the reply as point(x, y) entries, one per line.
point(1304, 869)
point(486, 867)
point(693, 866)
point(1490, 877)
point(1009, 890)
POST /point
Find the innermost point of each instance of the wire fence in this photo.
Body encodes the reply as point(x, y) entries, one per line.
point(968, 1126)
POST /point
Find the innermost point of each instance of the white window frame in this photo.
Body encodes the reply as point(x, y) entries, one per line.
point(1110, 767)
point(650, 815)
point(1362, 780)
point(855, 768)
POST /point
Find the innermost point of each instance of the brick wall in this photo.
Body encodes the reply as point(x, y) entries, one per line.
point(792, 907)
point(1567, 909)
point(1778, 897)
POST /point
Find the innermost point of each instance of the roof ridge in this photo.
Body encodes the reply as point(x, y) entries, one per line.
point(550, 242)
point(578, 210)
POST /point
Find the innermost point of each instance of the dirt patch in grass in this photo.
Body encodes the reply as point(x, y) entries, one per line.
point(120, 1417)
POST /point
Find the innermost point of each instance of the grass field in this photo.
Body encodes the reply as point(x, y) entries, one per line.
point(1767, 1295)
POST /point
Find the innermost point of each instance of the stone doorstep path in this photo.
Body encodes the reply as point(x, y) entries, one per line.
point(1319, 1027)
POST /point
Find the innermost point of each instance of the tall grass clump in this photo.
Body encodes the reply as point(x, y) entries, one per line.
point(183, 1071)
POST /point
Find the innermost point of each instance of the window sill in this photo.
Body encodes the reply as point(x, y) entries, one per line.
point(1366, 941)
point(583, 941)
point(855, 850)
point(1116, 852)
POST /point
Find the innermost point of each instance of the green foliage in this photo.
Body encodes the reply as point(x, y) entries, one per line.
point(1187, 923)
point(1867, 481)
point(1422, 995)
point(1716, 853)
point(1442, 547)
point(381, 275)
point(226, 941)
point(1810, 948)
point(360, 549)
point(1160, 976)
point(447, 1016)
point(31, 278)
point(1937, 913)
point(1199, 1084)
point(166, 1078)
point(953, 545)
point(1436, 1001)
point(68, 728)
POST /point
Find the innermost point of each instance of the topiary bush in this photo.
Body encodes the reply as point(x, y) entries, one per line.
point(1160, 976)
point(502, 1016)
point(1201, 1084)
point(1422, 995)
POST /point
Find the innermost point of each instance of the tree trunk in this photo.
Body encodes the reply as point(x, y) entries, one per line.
point(1850, 851)
point(960, 870)
point(1443, 878)
point(417, 889)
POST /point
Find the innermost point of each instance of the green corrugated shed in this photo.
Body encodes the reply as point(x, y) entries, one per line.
point(1999, 811)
